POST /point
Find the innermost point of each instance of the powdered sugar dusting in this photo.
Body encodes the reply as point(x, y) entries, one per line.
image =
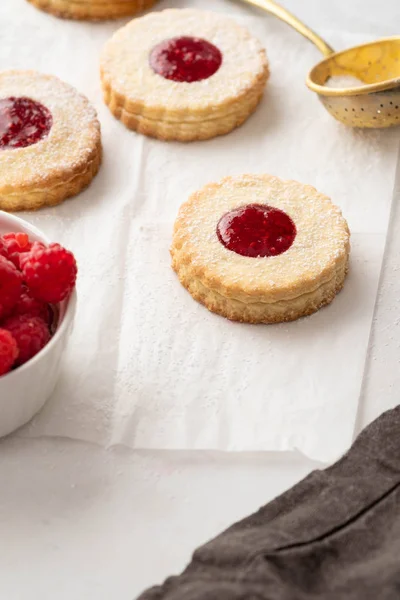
point(344, 81)
point(72, 139)
point(320, 246)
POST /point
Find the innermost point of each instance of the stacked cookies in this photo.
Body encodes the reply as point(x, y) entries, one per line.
point(183, 74)
point(258, 249)
point(50, 143)
point(92, 9)
point(252, 248)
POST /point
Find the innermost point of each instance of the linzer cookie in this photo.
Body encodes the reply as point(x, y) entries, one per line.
point(258, 249)
point(92, 9)
point(183, 74)
point(50, 145)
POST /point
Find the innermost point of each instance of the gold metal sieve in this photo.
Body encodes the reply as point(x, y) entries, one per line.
point(376, 102)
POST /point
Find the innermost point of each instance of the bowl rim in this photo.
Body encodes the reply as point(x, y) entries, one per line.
point(62, 329)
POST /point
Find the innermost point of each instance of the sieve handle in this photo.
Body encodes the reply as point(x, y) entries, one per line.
point(283, 14)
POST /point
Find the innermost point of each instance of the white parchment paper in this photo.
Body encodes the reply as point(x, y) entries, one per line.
point(147, 366)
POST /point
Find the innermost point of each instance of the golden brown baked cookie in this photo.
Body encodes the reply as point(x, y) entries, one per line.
point(183, 74)
point(50, 144)
point(258, 249)
point(92, 10)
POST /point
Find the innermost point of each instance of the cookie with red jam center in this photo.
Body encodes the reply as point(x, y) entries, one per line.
point(50, 146)
point(258, 249)
point(183, 74)
point(92, 10)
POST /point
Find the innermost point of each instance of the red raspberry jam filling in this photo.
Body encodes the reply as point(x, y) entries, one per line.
point(256, 230)
point(23, 122)
point(185, 59)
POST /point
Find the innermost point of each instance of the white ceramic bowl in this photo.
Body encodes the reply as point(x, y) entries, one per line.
point(23, 392)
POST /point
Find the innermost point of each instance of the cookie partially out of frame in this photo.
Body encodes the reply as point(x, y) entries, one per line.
point(258, 249)
point(183, 74)
point(50, 143)
point(92, 9)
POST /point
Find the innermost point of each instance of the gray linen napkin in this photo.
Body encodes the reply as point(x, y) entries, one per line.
point(335, 535)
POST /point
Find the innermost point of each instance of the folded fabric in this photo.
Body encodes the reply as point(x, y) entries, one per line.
point(335, 535)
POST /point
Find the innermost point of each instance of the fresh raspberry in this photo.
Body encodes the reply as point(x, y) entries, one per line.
point(27, 305)
point(10, 286)
point(3, 249)
point(8, 351)
point(16, 244)
point(50, 273)
point(30, 333)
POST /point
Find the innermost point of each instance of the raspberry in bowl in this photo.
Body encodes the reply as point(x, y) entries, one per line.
point(37, 309)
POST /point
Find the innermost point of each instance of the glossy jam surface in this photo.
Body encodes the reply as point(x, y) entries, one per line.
point(23, 122)
point(256, 230)
point(186, 59)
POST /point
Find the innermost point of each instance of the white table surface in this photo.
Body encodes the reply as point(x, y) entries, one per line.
point(77, 521)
